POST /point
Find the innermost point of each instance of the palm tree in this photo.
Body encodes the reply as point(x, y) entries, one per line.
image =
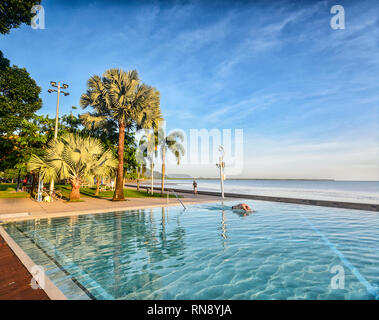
point(148, 146)
point(150, 116)
point(172, 142)
point(156, 140)
point(75, 158)
point(119, 96)
point(141, 154)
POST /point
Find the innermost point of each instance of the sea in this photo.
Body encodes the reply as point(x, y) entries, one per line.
point(348, 191)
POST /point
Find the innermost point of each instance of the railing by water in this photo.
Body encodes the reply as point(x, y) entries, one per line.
point(312, 202)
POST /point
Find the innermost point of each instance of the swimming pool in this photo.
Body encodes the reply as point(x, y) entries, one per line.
point(281, 251)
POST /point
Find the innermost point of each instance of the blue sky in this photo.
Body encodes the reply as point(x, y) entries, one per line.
point(305, 95)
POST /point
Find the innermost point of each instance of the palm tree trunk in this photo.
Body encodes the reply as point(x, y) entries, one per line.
point(18, 180)
point(75, 191)
point(163, 169)
point(34, 184)
point(97, 186)
point(119, 191)
point(137, 179)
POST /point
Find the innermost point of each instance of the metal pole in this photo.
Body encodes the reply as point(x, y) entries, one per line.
point(57, 113)
point(39, 194)
point(222, 178)
point(221, 165)
point(152, 175)
point(56, 130)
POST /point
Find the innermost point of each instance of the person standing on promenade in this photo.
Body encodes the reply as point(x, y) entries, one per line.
point(194, 187)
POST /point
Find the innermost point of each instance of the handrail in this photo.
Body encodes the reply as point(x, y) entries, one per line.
point(178, 199)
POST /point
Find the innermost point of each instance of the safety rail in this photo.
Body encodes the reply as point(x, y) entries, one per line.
point(168, 196)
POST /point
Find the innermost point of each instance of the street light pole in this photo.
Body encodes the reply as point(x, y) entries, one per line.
point(59, 91)
point(57, 112)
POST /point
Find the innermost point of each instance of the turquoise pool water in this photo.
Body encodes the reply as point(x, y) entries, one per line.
point(281, 251)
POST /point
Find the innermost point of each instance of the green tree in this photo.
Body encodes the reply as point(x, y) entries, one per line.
point(75, 158)
point(19, 98)
point(119, 97)
point(4, 62)
point(31, 138)
point(16, 149)
point(70, 122)
point(13, 13)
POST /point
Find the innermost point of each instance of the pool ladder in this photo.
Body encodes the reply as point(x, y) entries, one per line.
point(168, 195)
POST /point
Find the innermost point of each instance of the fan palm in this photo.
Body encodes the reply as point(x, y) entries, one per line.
point(119, 96)
point(75, 158)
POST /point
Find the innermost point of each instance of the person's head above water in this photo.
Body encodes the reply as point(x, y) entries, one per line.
point(242, 206)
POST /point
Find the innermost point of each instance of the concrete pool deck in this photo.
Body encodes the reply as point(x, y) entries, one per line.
point(27, 209)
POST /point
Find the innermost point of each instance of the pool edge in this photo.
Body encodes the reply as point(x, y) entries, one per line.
point(63, 214)
point(302, 201)
point(50, 288)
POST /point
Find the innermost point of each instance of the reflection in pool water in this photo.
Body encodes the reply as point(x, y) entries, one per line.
point(280, 251)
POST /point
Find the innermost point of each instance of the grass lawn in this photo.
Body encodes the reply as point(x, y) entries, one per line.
point(8, 190)
point(90, 192)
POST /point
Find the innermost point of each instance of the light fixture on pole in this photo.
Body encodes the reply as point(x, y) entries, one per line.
point(59, 91)
point(221, 166)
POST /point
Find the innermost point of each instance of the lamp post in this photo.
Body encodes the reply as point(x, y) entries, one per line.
point(221, 166)
point(59, 91)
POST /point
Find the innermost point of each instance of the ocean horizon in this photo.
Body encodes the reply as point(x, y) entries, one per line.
point(332, 190)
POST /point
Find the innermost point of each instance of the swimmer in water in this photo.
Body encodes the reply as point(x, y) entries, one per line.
point(242, 206)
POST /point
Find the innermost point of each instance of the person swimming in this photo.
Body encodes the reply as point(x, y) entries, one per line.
point(242, 206)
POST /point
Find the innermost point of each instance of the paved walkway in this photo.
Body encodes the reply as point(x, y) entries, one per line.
point(25, 209)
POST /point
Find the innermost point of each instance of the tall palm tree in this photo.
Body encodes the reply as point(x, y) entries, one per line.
point(119, 96)
point(141, 155)
point(156, 140)
point(150, 116)
point(173, 143)
point(75, 158)
point(148, 146)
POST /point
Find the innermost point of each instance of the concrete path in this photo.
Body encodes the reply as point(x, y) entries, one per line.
point(25, 209)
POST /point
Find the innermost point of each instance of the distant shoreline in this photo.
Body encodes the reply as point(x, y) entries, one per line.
point(253, 179)
point(271, 179)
